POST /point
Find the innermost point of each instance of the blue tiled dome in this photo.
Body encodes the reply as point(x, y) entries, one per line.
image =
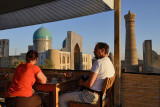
point(42, 33)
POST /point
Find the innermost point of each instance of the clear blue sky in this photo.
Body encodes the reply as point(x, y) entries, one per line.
point(96, 28)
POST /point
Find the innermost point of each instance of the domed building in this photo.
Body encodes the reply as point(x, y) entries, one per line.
point(69, 57)
point(42, 40)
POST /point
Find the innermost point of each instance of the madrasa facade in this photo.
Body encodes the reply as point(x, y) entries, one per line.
point(69, 57)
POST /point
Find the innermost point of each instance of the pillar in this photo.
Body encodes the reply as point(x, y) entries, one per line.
point(147, 56)
point(117, 52)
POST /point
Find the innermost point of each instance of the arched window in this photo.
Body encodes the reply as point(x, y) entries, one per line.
point(68, 59)
point(3, 42)
point(83, 67)
point(77, 57)
point(63, 60)
point(60, 58)
point(3, 51)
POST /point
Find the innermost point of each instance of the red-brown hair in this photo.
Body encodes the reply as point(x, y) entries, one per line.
point(31, 55)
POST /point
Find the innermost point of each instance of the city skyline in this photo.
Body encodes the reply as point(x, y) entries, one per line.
point(95, 28)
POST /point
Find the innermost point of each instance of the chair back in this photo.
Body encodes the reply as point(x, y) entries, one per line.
point(108, 83)
point(107, 86)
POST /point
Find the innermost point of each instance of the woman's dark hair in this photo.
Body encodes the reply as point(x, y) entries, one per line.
point(31, 55)
point(101, 45)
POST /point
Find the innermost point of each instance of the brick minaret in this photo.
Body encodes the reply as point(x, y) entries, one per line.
point(131, 59)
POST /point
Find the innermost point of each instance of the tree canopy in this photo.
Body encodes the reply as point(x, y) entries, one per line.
point(17, 63)
point(48, 64)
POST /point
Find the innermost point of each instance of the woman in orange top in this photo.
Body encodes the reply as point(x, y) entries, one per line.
point(20, 93)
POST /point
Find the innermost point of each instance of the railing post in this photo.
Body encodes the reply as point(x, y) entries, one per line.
point(117, 52)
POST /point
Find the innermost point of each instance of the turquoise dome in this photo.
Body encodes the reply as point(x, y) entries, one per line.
point(42, 33)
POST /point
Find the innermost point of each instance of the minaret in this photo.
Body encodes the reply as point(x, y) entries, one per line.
point(131, 59)
point(111, 57)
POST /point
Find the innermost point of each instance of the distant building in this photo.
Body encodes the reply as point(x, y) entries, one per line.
point(147, 56)
point(151, 60)
point(4, 48)
point(69, 57)
point(30, 47)
point(10, 60)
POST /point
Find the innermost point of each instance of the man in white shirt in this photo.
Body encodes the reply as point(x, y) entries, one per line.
point(101, 69)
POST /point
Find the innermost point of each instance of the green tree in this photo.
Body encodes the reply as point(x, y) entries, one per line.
point(17, 63)
point(48, 64)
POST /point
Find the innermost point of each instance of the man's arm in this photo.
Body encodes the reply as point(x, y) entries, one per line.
point(88, 83)
point(41, 78)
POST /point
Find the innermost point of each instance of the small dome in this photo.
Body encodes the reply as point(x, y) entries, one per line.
point(64, 43)
point(154, 55)
point(42, 33)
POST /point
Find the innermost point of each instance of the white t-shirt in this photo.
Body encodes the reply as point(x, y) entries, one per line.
point(104, 68)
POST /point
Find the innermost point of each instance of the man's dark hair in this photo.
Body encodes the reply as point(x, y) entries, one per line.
point(31, 55)
point(101, 45)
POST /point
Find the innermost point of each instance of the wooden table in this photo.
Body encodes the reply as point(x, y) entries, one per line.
point(53, 88)
point(64, 87)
